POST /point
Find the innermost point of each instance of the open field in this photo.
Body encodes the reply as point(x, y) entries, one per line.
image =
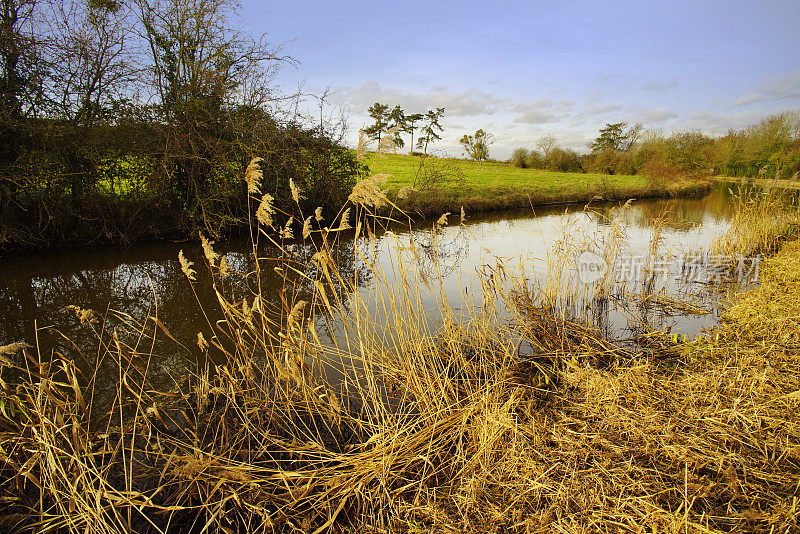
point(487, 186)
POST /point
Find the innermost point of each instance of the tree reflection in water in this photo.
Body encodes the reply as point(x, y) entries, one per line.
point(125, 285)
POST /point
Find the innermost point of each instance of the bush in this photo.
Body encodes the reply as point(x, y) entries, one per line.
point(534, 160)
point(434, 172)
point(127, 173)
point(519, 158)
point(563, 160)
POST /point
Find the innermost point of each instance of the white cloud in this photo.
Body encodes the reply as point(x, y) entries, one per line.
point(655, 115)
point(658, 86)
point(456, 104)
point(540, 111)
point(718, 123)
point(771, 90)
point(534, 116)
point(602, 109)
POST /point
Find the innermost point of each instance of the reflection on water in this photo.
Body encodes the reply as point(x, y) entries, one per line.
point(146, 279)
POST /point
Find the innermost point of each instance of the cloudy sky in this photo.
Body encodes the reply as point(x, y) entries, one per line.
point(525, 69)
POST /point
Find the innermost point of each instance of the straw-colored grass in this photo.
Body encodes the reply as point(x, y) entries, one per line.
point(762, 220)
point(439, 426)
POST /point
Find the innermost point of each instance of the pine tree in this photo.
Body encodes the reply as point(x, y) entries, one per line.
point(397, 118)
point(409, 126)
point(432, 124)
point(380, 114)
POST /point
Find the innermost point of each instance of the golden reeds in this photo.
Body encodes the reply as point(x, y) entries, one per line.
point(253, 176)
point(186, 266)
point(367, 192)
point(296, 191)
point(208, 250)
point(761, 220)
point(440, 421)
point(265, 210)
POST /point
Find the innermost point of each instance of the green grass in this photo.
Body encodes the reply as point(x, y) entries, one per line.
point(499, 185)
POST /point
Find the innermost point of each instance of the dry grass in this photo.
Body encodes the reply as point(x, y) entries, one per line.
point(762, 220)
point(440, 425)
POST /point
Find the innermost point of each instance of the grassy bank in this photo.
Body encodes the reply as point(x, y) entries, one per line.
point(447, 185)
point(441, 426)
point(761, 182)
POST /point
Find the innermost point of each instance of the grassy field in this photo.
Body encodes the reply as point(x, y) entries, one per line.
point(489, 186)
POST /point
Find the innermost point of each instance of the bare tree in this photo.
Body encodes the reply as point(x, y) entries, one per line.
point(21, 75)
point(546, 144)
point(20, 64)
point(92, 60)
point(332, 119)
point(92, 68)
point(203, 68)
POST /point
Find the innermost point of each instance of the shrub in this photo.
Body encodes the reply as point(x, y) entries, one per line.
point(563, 160)
point(434, 172)
point(519, 158)
point(534, 160)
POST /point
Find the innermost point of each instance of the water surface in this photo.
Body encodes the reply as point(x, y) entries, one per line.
point(145, 279)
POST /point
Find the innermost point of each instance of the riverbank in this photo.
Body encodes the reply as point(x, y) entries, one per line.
point(765, 183)
point(448, 184)
point(447, 427)
point(122, 217)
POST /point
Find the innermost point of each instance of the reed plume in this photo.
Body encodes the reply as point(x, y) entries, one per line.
point(265, 210)
point(253, 176)
point(296, 191)
point(387, 141)
point(405, 192)
point(201, 342)
point(224, 269)
point(85, 316)
point(344, 220)
point(368, 193)
point(286, 231)
point(208, 249)
point(186, 266)
point(13, 348)
point(363, 143)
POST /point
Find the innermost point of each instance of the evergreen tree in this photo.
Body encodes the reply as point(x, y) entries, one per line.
point(409, 125)
point(397, 118)
point(380, 114)
point(432, 124)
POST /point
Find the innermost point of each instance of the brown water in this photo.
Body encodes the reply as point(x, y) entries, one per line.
point(146, 279)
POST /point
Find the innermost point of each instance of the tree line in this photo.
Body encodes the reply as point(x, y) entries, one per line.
point(121, 120)
point(767, 149)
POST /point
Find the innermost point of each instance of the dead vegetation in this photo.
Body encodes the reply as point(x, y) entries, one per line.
point(440, 424)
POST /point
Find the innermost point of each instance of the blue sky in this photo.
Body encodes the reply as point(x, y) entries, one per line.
point(522, 70)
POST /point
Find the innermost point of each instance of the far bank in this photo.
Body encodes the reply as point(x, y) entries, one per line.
point(430, 186)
